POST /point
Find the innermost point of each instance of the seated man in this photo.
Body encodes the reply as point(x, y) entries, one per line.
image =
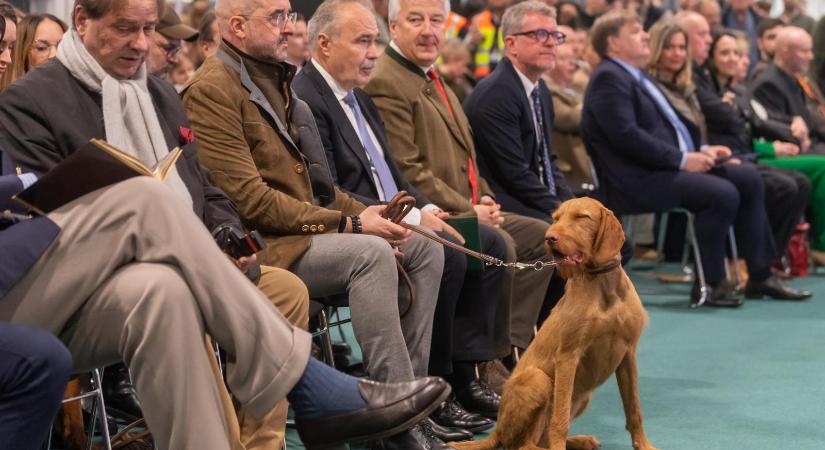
point(778, 88)
point(355, 141)
point(640, 145)
point(430, 138)
point(151, 285)
point(261, 145)
point(75, 97)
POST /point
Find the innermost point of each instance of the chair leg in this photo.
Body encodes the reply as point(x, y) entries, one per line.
point(734, 253)
point(101, 405)
point(660, 242)
point(700, 271)
point(326, 339)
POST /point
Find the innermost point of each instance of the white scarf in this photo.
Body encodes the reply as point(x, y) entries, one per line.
point(129, 117)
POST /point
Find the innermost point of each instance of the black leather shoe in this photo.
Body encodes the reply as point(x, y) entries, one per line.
point(477, 397)
point(446, 434)
point(416, 438)
point(721, 296)
point(391, 408)
point(119, 394)
point(451, 414)
point(774, 288)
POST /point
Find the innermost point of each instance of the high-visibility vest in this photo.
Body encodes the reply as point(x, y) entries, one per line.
point(455, 25)
point(488, 52)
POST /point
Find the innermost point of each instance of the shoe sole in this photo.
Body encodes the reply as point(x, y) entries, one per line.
point(404, 426)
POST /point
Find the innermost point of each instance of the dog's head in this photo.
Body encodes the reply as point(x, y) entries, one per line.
point(584, 234)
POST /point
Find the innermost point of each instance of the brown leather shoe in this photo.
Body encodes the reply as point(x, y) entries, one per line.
point(391, 408)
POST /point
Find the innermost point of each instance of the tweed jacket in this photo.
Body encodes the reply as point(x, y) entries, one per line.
point(276, 172)
point(431, 147)
point(567, 138)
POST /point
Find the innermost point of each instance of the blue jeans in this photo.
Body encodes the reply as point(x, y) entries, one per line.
point(34, 369)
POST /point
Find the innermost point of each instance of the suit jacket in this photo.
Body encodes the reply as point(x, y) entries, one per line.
point(780, 93)
point(725, 126)
point(633, 146)
point(48, 114)
point(276, 172)
point(501, 116)
point(346, 155)
point(431, 147)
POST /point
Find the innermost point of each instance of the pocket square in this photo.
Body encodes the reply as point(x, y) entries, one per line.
point(187, 136)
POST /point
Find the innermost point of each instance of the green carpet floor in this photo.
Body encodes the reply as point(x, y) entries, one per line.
point(751, 378)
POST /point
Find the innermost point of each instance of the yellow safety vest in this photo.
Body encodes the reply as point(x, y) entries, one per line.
point(488, 52)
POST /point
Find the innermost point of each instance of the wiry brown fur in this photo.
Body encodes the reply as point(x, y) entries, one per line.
point(591, 334)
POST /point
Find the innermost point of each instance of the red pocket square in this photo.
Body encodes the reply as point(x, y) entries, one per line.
point(186, 134)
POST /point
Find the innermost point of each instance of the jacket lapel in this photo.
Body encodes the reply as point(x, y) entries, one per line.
point(255, 94)
point(339, 116)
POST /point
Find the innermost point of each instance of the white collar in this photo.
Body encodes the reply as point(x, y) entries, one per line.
point(337, 90)
point(529, 86)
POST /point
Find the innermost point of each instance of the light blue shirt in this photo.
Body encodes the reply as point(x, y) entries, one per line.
point(682, 134)
point(27, 179)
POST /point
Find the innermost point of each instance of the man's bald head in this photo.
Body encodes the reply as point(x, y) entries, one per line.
point(698, 31)
point(794, 50)
point(258, 28)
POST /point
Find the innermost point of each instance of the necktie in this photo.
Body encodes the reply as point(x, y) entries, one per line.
point(681, 130)
point(379, 165)
point(544, 154)
point(471, 169)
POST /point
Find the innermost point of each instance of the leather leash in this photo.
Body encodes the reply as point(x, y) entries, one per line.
point(402, 203)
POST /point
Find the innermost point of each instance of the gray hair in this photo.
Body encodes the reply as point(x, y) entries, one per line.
point(514, 16)
point(395, 6)
point(324, 19)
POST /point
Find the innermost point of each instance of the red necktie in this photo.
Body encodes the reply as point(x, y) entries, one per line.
point(471, 170)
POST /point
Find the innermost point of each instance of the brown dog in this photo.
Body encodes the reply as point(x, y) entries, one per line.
point(591, 334)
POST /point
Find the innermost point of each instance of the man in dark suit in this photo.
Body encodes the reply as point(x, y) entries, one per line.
point(355, 142)
point(647, 161)
point(779, 90)
point(511, 114)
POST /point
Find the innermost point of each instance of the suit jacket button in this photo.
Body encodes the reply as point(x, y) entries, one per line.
point(305, 228)
point(321, 228)
point(299, 168)
point(314, 228)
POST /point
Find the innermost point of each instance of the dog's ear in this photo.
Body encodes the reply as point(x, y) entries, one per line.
point(609, 238)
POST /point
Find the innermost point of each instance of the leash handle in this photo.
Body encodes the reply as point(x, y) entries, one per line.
point(402, 203)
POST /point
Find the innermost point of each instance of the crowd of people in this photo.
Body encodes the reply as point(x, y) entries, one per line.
point(490, 114)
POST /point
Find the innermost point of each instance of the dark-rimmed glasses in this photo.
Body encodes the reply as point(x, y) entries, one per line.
point(542, 36)
point(278, 19)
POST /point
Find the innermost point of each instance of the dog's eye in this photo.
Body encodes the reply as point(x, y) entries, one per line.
point(582, 216)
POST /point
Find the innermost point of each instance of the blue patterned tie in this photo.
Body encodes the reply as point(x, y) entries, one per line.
point(379, 165)
point(544, 156)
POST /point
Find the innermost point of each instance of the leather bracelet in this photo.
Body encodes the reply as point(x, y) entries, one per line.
point(356, 224)
point(342, 224)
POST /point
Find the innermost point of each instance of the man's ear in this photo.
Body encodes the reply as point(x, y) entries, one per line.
point(81, 20)
point(237, 26)
point(322, 42)
point(609, 238)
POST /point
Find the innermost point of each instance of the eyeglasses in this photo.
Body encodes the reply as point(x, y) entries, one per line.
point(278, 19)
point(542, 36)
point(171, 49)
point(43, 46)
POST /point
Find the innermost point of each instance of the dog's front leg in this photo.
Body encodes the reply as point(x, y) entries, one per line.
point(629, 389)
point(565, 376)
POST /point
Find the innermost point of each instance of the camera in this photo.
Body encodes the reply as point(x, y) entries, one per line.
point(235, 243)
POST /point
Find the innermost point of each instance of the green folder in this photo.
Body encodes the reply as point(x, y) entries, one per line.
point(468, 227)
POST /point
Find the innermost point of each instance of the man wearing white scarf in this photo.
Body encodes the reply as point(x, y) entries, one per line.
point(98, 87)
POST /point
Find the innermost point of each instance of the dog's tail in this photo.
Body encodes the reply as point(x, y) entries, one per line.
point(490, 443)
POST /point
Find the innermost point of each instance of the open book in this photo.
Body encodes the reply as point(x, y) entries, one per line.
point(95, 165)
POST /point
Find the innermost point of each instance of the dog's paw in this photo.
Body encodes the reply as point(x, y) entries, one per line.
point(583, 443)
